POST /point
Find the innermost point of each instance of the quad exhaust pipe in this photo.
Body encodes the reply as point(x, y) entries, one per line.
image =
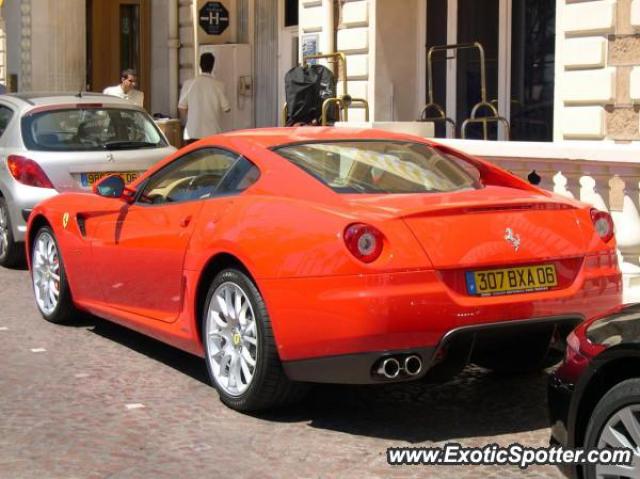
point(413, 365)
point(389, 368)
point(392, 367)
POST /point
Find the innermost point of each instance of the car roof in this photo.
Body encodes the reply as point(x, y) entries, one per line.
point(57, 98)
point(274, 137)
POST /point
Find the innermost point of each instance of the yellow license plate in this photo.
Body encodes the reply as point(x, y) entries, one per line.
point(88, 179)
point(524, 279)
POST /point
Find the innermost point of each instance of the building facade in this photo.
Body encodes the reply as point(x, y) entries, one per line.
point(555, 69)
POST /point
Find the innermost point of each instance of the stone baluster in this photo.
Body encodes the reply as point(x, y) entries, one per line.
point(569, 181)
point(628, 220)
point(595, 187)
point(547, 173)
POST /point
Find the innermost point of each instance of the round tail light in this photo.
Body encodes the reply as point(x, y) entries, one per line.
point(363, 241)
point(603, 224)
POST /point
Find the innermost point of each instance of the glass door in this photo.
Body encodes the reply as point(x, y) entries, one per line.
point(518, 39)
point(532, 69)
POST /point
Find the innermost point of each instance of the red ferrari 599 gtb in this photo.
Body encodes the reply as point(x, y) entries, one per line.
point(287, 256)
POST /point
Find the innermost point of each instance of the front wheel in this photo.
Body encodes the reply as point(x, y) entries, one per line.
point(615, 423)
point(50, 285)
point(240, 349)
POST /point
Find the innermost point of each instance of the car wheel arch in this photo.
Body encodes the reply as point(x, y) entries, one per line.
point(606, 377)
point(215, 264)
point(36, 223)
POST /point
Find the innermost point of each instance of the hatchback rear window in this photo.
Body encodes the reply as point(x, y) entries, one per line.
point(382, 167)
point(90, 129)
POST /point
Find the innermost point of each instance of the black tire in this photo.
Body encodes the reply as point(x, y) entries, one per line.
point(525, 354)
point(622, 395)
point(269, 387)
point(13, 255)
point(64, 312)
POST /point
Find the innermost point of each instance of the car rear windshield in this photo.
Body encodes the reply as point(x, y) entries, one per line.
point(90, 129)
point(382, 167)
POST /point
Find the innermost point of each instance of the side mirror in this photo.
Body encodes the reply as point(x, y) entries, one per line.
point(111, 186)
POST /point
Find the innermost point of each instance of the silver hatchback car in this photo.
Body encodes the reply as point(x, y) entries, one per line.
point(50, 143)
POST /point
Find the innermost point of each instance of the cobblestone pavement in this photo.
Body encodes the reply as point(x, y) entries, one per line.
point(95, 400)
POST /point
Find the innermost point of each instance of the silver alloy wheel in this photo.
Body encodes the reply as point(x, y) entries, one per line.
point(231, 333)
point(4, 231)
point(622, 430)
point(46, 273)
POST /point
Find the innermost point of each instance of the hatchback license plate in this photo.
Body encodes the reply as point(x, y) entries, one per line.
point(88, 179)
point(524, 279)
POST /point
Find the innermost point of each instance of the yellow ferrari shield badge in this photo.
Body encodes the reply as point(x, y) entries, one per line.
point(65, 220)
point(236, 339)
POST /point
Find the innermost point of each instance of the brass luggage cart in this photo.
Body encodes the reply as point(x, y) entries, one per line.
point(440, 114)
point(342, 102)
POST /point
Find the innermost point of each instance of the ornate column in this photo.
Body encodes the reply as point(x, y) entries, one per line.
point(25, 46)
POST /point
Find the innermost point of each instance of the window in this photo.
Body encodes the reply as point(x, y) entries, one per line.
point(6, 114)
point(291, 13)
point(200, 175)
point(532, 69)
point(90, 129)
point(381, 167)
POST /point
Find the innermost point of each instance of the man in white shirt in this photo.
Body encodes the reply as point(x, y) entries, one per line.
point(202, 100)
point(127, 88)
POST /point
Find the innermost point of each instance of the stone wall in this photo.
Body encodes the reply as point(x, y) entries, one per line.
point(598, 70)
point(53, 58)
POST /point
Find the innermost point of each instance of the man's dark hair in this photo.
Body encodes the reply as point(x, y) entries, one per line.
point(207, 60)
point(125, 73)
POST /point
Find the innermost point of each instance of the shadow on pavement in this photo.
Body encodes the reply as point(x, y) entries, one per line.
point(475, 403)
point(175, 358)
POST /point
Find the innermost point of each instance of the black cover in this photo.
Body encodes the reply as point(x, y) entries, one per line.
point(306, 88)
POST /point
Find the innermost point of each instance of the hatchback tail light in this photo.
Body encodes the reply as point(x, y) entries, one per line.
point(603, 224)
point(363, 241)
point(28, 172)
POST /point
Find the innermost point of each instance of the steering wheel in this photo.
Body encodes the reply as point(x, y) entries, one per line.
point(203, 180)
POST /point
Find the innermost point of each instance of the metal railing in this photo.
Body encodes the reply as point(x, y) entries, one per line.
point(441, 116)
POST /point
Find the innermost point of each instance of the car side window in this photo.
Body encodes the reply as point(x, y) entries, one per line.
point(6, 114)
point(242, 176)
point(195, 176)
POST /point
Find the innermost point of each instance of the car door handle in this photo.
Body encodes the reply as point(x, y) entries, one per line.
point(184, 222)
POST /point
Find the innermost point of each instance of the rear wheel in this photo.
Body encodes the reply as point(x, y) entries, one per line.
point(11, 252)
point(50, 285)
point(615, 423)
point(240, 349)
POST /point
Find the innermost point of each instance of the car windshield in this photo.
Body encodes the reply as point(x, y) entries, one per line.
point(82, 129)
point(382, 167)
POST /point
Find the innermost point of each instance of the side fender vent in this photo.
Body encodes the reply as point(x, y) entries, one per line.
point(82, 225)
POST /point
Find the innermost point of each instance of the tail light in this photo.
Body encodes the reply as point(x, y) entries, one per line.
point(28, 172)
point(603, 224)
point(363, 241)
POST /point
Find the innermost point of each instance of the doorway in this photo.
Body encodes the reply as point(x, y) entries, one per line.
point(288, 45)
point(118, 37)
point(518, 37)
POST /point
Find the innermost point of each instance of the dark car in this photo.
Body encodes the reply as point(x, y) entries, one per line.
point(594, 397)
